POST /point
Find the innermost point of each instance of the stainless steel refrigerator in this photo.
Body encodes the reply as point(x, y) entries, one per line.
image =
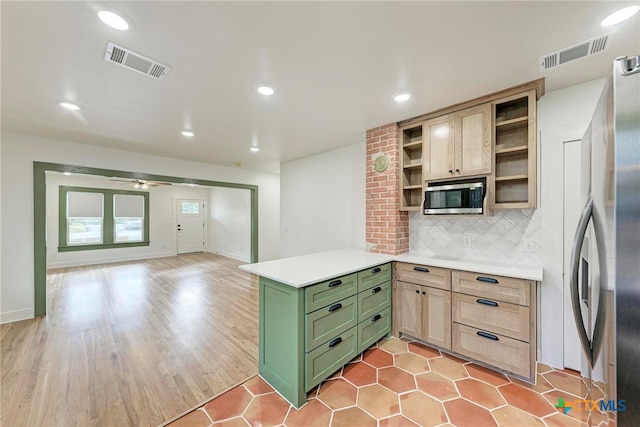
point(605, 259)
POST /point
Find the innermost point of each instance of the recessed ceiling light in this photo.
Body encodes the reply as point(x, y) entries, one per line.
point(402, 97)
point(187, 133)
point(254, 149)
point(620, 16)
point(66, 173)
point(265, 90)
point(69, 105)
point(113, 20)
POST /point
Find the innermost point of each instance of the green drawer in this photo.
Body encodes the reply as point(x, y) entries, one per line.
point(374, 300)
point(373, 328)
point(325, 293)
point(329, 357)
point(326, 323)
point(373, 276)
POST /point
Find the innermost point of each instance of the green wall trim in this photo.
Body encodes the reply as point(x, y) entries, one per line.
point(76, 248)
point(108, 224)
point(40, 215)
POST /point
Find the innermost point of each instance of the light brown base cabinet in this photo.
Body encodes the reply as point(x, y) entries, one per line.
point(422, 311)
point(486, 318)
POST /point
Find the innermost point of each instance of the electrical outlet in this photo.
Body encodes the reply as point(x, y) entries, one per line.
point(467, 240)
point(528, 246)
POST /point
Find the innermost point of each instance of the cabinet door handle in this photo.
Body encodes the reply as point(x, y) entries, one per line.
point(488, 335)
point(487, 302)
point(421, 269)
point(376, 270)
point(335, 307)
point(457, 170)
point(424, 293)
point(417, 292)
point(376, 318)
point(450, 170)
point(335, 342)
point(335, 283)
point(376, 290)
point(486, 279)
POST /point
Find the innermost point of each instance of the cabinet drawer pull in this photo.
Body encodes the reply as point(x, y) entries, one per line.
point(335, 307)
point(335, 283)
point(486, 279)
point(376, 270)
point(376, 290)
point(487, 302)
point(335, 342)
point(488, 335)
point(376, 318)
point(421, 269)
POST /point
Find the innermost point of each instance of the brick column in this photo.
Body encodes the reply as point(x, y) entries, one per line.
point(387, 228)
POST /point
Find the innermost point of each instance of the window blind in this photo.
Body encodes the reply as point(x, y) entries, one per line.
point(128, 206)
point(84, 205)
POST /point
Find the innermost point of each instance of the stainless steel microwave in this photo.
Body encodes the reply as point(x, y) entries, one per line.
point(449, 198)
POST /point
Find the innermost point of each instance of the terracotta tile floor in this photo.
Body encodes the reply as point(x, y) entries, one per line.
point(403, 383)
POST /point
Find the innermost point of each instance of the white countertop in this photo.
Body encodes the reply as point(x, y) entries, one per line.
point(306, 270)
point(510, 270)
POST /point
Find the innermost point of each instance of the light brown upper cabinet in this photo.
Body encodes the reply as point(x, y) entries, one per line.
point(411, 167)
point(515, 151)
point(458, 144)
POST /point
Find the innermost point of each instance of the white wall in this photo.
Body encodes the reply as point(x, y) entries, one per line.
point(20, 151)
point(162, 234)
point(323, 202)
point(229, 219)
point(563, 115)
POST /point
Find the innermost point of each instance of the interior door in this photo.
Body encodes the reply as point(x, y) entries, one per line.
point(190, 225)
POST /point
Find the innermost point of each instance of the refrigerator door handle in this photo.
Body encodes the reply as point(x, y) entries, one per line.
point(581, 230)
point(601, 316)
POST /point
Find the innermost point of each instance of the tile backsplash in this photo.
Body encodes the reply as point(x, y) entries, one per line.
point(499, 238)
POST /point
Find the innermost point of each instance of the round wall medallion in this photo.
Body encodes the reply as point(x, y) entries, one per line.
point(381, 164)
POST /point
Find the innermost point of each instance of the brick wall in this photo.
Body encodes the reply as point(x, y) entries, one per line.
point(387, 228)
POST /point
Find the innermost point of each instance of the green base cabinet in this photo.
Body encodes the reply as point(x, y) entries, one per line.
point(306, 334)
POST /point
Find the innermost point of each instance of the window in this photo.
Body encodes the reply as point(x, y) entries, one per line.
point(96, 218)
point(190, 207)
point(84, 217)
point(128, 212)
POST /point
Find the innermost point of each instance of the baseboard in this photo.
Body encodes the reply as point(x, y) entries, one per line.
point(16, 315)
point(107, 260)
point(233, 255)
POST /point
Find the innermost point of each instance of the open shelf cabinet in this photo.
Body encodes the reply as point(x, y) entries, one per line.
point(411, 167)
point(515, 152)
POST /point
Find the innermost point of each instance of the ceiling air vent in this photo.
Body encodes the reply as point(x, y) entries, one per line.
point(577, 51)
point(136, 62)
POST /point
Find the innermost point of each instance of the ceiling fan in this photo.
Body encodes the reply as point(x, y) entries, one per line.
point(142, 184)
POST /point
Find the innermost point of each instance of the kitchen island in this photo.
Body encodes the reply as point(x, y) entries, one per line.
point(316, 313)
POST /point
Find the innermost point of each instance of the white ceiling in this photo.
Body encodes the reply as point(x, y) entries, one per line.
point(334, 65)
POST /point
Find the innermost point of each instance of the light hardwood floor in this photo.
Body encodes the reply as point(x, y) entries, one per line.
point(133, 343)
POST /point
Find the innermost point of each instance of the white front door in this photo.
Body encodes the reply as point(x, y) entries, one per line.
point(190, 225)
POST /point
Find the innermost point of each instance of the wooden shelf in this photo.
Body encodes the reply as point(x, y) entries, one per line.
point(511, 178)
point(512, 150)
point(413, 166)
point(510, 124)
point(412, 187)
point(413, 145)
